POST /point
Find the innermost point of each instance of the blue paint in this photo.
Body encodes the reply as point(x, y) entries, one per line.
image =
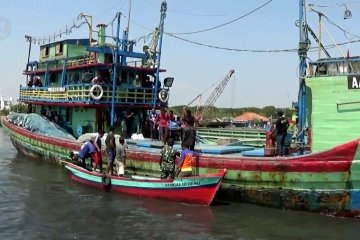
point(115, 69)
point(254, 153)
point(355, 199)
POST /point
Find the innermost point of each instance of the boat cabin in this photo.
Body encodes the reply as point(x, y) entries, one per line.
point(332, 102)
point(84, 81)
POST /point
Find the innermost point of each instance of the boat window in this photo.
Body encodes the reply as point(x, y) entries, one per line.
point(131, 78)
point(68, 115)
point(73, 77)
point(87, 77)
point(45, 52)
point(59, 49)
point(52, 77)
point(124, 77)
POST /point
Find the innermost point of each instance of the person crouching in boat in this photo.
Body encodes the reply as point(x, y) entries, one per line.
point(87, 150)
point(97, 143)
point(184, 163)
point(120, 157)
point(167, 160)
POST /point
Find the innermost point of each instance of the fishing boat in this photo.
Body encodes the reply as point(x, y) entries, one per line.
point(321, 173)
point(193, 190)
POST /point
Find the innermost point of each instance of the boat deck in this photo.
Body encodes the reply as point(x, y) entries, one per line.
point(230, 151)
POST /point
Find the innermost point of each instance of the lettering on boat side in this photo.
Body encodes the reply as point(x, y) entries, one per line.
point(182, 184)
point(56, 89)
point(354, 82)
point(5, 28)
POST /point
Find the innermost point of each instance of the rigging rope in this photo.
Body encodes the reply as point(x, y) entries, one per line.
point(224, 24)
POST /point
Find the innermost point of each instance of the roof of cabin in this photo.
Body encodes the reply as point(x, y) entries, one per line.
point(83, 41)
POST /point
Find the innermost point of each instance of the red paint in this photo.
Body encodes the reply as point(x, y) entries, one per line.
point(337, 159)
point(202, 195)
point(67, 144)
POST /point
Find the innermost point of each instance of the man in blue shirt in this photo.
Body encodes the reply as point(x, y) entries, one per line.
point(87, 150)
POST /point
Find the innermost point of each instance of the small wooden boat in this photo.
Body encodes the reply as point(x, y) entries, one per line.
point(194, 190)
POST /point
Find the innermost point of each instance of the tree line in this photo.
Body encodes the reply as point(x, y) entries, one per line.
point(215, 112)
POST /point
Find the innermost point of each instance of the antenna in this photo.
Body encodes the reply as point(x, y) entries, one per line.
point(128, 23)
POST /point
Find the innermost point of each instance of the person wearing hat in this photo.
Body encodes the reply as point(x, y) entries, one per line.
point(281, 127)
point(167, 160)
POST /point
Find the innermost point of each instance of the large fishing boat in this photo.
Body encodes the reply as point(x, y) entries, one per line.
point(321, 175)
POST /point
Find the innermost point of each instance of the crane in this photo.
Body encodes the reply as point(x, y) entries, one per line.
point(151, 50)
point(210, 101)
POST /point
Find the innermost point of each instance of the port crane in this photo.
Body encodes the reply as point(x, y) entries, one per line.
point(214, 96)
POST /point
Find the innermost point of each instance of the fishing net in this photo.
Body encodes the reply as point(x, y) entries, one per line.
point(39, 124)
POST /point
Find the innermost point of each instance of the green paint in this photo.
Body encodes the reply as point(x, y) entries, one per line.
point(84, 117)
point(332, 122)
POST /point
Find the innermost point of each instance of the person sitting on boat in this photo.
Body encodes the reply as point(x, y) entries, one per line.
point(120, 156)
point(184, 163)
point(110, 149)
point(37, 82)
point(167, 160)
point(87, 150)
point(95, 81)
point(97, 143)
point(281, 127)
point(30, 82)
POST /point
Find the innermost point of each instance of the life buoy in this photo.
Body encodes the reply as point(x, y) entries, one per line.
point(106, 180)
point(79, 129)
point(96, 92)
point(164, 95)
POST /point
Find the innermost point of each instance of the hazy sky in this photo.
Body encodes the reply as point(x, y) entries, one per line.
point(261, 79)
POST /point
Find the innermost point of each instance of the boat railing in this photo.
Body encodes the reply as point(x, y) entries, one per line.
point(80, 93)
point(69, 62)
point(254, 137)
point(332, 67)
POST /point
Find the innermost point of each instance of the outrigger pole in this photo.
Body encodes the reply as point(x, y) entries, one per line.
point(302, 52)
point(161, 29)
point(115, 68)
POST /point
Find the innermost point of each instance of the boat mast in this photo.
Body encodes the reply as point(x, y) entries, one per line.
point(161, 29)
point(128, 23)
point(29, 39)
point(115, 68)
point(304, 45)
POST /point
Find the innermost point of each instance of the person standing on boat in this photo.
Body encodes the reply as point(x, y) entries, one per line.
point(120, 157)
point(188, 134)
point(163, 121)
point(167, 160)
point(97, 144)
point(281, 127)
point(153, 124)
point(110, 149)
point(188, 117)
point(172, 116)
point(184, 163)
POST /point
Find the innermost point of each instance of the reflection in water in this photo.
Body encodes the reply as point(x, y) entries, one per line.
point(38, 201)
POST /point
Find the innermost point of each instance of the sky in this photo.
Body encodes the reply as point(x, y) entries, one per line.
point(261, 78)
